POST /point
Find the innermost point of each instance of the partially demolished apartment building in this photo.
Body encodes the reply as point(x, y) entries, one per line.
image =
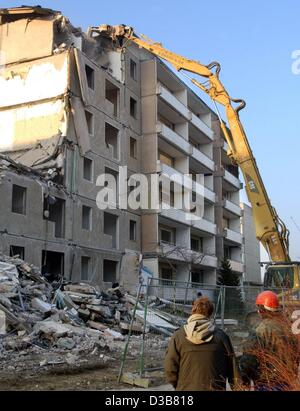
point(74, 106)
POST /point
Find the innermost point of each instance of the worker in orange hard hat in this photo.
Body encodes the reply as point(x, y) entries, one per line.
point(271, 349)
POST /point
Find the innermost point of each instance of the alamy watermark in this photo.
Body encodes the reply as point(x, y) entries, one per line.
point(296, 63)
point(156, 192)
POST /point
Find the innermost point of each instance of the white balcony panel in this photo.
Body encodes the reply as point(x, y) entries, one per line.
point(232, 208)
point(206, 260)
point(176, 215)
point(170, 99)
point(233, 236)
point(203, 159)
point(231, 179)
point(198, 188)
point(172, 252)
point(202, 126)
point(173, 138)
point(237, 266)
point(205, 226)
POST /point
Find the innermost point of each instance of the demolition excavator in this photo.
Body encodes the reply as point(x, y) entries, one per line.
point(281, 272)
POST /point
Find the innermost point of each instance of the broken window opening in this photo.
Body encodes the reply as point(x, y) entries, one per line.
point(87, 169)
point(52, 265)
point(86, 218)
point(90, 122)
point(197, 244)
point(54, 211)
point(85, 268)
point(112, 94)
point(90, 76)
point(133, 148)
point(18, 199)
point(132, 230)
point(16, 251)
point(111, 228)
point(110, 271)
point(133, 107)
point(112, 140)
point(133, 69)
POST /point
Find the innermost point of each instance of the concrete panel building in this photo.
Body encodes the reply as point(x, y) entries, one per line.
point(76, 106)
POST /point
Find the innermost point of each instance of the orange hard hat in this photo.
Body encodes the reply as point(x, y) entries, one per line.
point(268, 300)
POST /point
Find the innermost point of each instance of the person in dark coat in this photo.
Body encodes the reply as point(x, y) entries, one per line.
point(200, 356)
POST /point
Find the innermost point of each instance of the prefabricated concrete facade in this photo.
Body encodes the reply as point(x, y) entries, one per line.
point(72, 104)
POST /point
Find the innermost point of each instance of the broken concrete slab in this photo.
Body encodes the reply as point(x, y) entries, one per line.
point(41, 306)
point(51, 329)
point(104, 311)
point(65, 343)
point(2, 323)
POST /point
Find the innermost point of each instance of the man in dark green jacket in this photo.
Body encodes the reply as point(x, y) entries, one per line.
point(200, 357)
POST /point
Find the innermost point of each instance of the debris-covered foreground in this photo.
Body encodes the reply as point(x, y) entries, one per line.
point(63, 327)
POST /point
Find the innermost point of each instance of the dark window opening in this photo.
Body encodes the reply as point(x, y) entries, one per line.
point(16, 251)
point(112, 94)
point(133, 70)
point(52, 265)
point(133, 148)
point(112, 140)
point(133, 107)
point(87, 169)
point(111, 228)
point(90, 76)
point(85, 268)
point(54, 211)
point(90, 121)
point(167, 236)
point(132, 230)
point(197, 277)
point(110, 271)
point(167, 275)
point(18, 200)
point(197, 244)
point(86, 218)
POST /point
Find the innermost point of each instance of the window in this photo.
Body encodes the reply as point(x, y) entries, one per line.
point(52, 265)
point(133, 107)
point(111, 228)
point(167, 235)
point(17, 251)
point(197, 277)
point(225, 222)
point(85, 268)
point(227, 252)
point(90, 121)
point(166, 274)
point(86, 218)
point(133, 69)
point(132, 230)
point(88, 169)
point(197, 244)
point(90, 77)
point(112, 140)
point(54, 210)
point(166, 159)
point(133, 148)
point(110, 271)
point(18, 200)
point(112, 94)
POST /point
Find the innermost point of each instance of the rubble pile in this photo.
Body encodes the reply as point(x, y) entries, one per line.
point(37, 314)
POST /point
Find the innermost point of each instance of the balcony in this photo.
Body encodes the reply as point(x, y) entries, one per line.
point(237, 266)
point(173, 138)
point(204, 225)
point(232, 208)
point(204, 260)
point(198, 188)
point(233, 236)
point(176, 215)
point(172, 101)
point(231, 179)
point(203, 159)
point(200, 125)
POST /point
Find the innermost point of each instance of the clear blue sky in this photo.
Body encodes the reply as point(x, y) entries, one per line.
point(253, 41)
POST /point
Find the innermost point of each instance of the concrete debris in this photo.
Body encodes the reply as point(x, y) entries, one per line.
point(63, 322)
